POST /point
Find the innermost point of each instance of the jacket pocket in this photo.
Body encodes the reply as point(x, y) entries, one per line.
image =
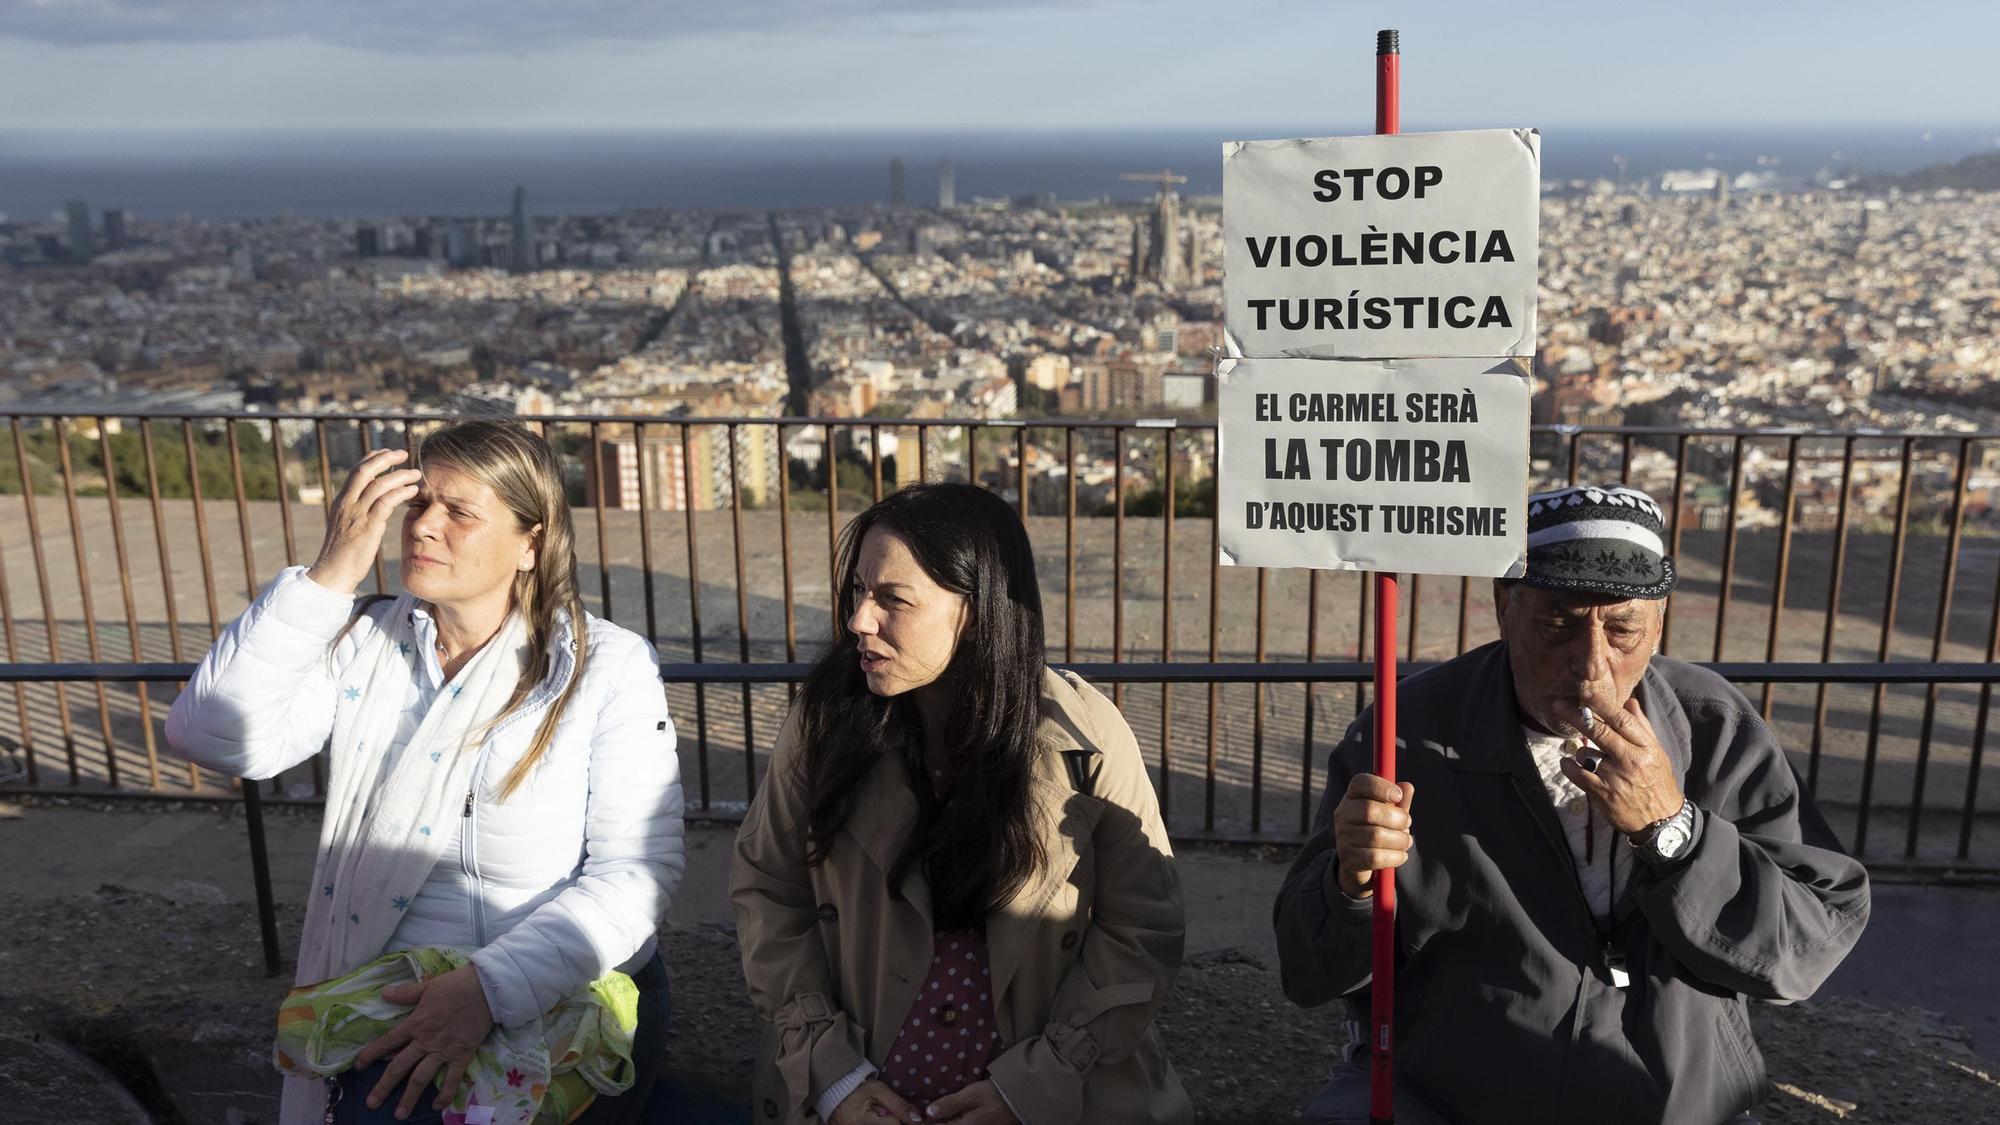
point(1441, 1033)
point(1741, 1046)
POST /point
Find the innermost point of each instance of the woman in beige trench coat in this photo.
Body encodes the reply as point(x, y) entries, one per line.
point(953, 891)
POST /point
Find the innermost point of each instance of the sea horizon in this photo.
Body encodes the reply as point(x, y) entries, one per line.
point(377, 173)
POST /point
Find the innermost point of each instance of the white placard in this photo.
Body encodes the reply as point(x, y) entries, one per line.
point(1409, 245)
point(1415, 466)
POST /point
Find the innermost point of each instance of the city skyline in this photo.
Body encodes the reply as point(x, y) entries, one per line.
point(912, 65)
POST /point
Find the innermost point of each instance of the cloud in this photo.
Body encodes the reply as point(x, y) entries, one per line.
point(446, 26)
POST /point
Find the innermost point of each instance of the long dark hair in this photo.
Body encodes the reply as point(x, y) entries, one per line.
point(978, 844)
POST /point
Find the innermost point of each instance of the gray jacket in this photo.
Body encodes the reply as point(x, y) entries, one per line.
point(1505, 1010)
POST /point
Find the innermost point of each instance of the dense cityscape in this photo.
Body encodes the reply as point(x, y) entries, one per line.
point(1673, 302)
point(1004, 563)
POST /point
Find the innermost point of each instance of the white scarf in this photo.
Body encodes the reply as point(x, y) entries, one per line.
point(373, 861)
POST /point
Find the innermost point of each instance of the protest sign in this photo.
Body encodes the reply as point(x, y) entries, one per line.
point(1418, 466)
point(1408, 245)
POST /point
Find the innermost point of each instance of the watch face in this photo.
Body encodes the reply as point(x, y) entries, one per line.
point(1671, 841)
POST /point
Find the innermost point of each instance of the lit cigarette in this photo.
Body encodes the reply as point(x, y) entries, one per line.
point(1589, 756)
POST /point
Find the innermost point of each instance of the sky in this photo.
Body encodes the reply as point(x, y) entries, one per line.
point(742, 66)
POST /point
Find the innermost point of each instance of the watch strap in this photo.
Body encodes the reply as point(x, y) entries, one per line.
point(1646, 838)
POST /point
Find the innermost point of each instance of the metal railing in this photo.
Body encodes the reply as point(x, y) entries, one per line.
point(1829, 568)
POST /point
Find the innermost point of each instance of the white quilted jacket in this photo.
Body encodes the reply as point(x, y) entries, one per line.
point(571, 876)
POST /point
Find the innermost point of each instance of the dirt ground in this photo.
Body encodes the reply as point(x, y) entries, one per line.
point(164, 985)
point(119, 971)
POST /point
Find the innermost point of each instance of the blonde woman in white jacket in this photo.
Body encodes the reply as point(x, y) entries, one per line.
point(502, 769)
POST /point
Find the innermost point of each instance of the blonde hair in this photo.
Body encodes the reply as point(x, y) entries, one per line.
point(521, 469)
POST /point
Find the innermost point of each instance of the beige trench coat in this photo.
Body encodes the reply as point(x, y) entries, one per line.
point(1081, 957)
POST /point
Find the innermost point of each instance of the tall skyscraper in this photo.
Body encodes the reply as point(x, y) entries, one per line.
point(114, 228)
point(896, 182)
point(947, 187)
point(367, 241)
point(1163, 252)
point(521, 258)
point(80, 246)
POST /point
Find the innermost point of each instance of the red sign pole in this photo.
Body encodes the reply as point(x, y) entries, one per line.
point(1382, 1072)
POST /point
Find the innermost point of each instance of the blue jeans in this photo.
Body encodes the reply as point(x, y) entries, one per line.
point(1345, 1097)
point(648, 1042)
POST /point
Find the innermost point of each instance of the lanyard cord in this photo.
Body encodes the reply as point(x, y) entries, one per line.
point(1590, 857)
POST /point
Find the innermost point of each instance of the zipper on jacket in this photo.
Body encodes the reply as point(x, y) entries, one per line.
point(468, 854)
point(469, 861)
point(468, 851)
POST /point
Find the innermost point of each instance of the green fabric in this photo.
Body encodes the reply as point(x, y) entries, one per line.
point(544, 1072)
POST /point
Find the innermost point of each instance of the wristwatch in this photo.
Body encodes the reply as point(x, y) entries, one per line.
point(1665, 841)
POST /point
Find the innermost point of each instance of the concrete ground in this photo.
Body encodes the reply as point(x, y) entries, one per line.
point(1927, 946)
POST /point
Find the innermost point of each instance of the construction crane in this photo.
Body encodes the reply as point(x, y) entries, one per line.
point(1164, 177)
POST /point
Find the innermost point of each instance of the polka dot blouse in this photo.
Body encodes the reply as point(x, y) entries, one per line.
point(950, 1035)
